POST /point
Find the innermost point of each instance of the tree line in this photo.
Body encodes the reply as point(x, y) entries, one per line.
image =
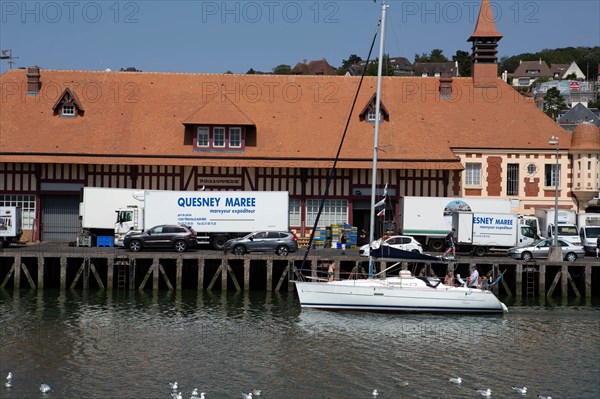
point(587, 58)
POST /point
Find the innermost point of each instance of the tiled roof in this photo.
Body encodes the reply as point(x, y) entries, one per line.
point(137, 118)
point(541, 66)
point(486, 25)
point(586, 136)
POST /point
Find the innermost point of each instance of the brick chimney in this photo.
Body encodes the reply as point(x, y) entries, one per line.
point(446, 86)
point(33, 80)
point(485, 42)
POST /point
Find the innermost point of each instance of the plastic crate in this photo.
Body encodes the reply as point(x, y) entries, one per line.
point(104, 241)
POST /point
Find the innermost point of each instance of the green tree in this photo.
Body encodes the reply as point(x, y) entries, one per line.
point(436, 55)
point(251, 71)
point(387, 70)
point(352, 60)
point(553, 102)
point(229, 72)
point(282, 70)
point(464, 62)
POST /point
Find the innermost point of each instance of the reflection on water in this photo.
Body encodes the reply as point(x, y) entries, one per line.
point(95, 345)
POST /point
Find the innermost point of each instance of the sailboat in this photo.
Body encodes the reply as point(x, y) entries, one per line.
point(403, 292)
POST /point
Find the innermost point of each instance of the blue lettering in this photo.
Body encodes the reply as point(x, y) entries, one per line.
point(198, 202)
point(250, 201)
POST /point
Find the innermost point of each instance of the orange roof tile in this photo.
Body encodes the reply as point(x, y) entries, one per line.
point(586, 137)
point(137, 118)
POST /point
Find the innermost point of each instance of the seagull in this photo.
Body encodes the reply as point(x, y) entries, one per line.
point(484, 392)
point(8, 383)
point(544, 397)
point(256, 392)
point(522, 390)
point(173, 385)
point(456, 380)
point(247, 395)
point(195, 392)
point(177, 395)
point(9, 376)
point(202, 395)
point(45, 388)
point(375, 393)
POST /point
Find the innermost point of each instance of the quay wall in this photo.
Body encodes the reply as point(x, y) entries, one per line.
point(112, 270)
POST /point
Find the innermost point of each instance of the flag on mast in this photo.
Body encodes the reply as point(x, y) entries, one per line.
point(381, 212)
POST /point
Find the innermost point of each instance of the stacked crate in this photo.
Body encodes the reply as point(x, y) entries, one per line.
point(319, 238)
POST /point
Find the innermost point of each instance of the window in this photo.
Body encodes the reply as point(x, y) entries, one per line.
point(334, 211)
point(27, 205)
point(531, 169)
point(235, 137)
point(295, 213)
point(202, 137)
point(473, 174)
point(551, 178)
point(219, 137)
point(68, 110)
point(512, 179)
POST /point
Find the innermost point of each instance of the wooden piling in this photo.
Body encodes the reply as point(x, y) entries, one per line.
point(588, 285)
point(246, 274)
point(519, 281)
point(564, 282)
point(542, 283)
point(41, 261)
point(110, 270)
point(269, 275)
point(223, 275)
point(17, 275)
point(178, 274)
point(201, 263)
point(63, 272)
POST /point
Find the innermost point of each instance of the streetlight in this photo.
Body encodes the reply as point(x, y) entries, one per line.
point(556, 250)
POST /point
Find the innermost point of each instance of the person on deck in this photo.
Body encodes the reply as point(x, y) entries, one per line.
point(474, 278)
point(448, 279)
point(450, 244)
point(330, 271)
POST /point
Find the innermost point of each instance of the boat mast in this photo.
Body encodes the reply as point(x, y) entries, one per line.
point(376, 135)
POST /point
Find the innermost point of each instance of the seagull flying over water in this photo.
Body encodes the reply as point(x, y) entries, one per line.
point(520, 390)
point(247, 395)
point(456, 380)
point(484, 392)
point(45, 388)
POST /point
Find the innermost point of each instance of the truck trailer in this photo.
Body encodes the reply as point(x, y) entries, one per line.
point(216, 216)
point(97, 210)
point(10, 225)
point(589, 230)
point(483, 232)
point(429, 219)
point(567, 229)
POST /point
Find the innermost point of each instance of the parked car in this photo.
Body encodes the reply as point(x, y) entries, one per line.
point(405, 243)
point(280, 242)
point(178, 237)
point(540, 250)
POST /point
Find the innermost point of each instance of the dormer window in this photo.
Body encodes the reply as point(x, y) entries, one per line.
point(368, 113)
point(219, 138)
point(68, 105)
point(68, 110)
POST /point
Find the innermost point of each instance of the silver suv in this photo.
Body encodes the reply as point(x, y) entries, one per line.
point(280, 242)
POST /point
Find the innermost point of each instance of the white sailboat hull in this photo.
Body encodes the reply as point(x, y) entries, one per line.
point(396, 295)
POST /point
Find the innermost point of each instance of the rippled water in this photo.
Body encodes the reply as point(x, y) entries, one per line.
point(94, 345)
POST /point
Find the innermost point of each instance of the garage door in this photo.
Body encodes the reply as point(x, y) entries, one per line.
point(60, 218)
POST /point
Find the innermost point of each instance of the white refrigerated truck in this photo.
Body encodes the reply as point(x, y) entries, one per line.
point(216, 216)
point(483, 232)
point(10, 225)
point(97, 211)
point(589, 230)
point(429, 219)
point(567, 229)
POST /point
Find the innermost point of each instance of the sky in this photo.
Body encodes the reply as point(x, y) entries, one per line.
point(218, 36)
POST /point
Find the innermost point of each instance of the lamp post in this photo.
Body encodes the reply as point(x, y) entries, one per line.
point(555, 254)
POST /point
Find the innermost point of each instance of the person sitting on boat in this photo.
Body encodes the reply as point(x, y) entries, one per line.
point(448, 279)
point(330, 270)
point(474, 278)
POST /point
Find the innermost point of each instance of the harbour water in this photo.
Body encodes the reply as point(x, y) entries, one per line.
point(131, 345)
